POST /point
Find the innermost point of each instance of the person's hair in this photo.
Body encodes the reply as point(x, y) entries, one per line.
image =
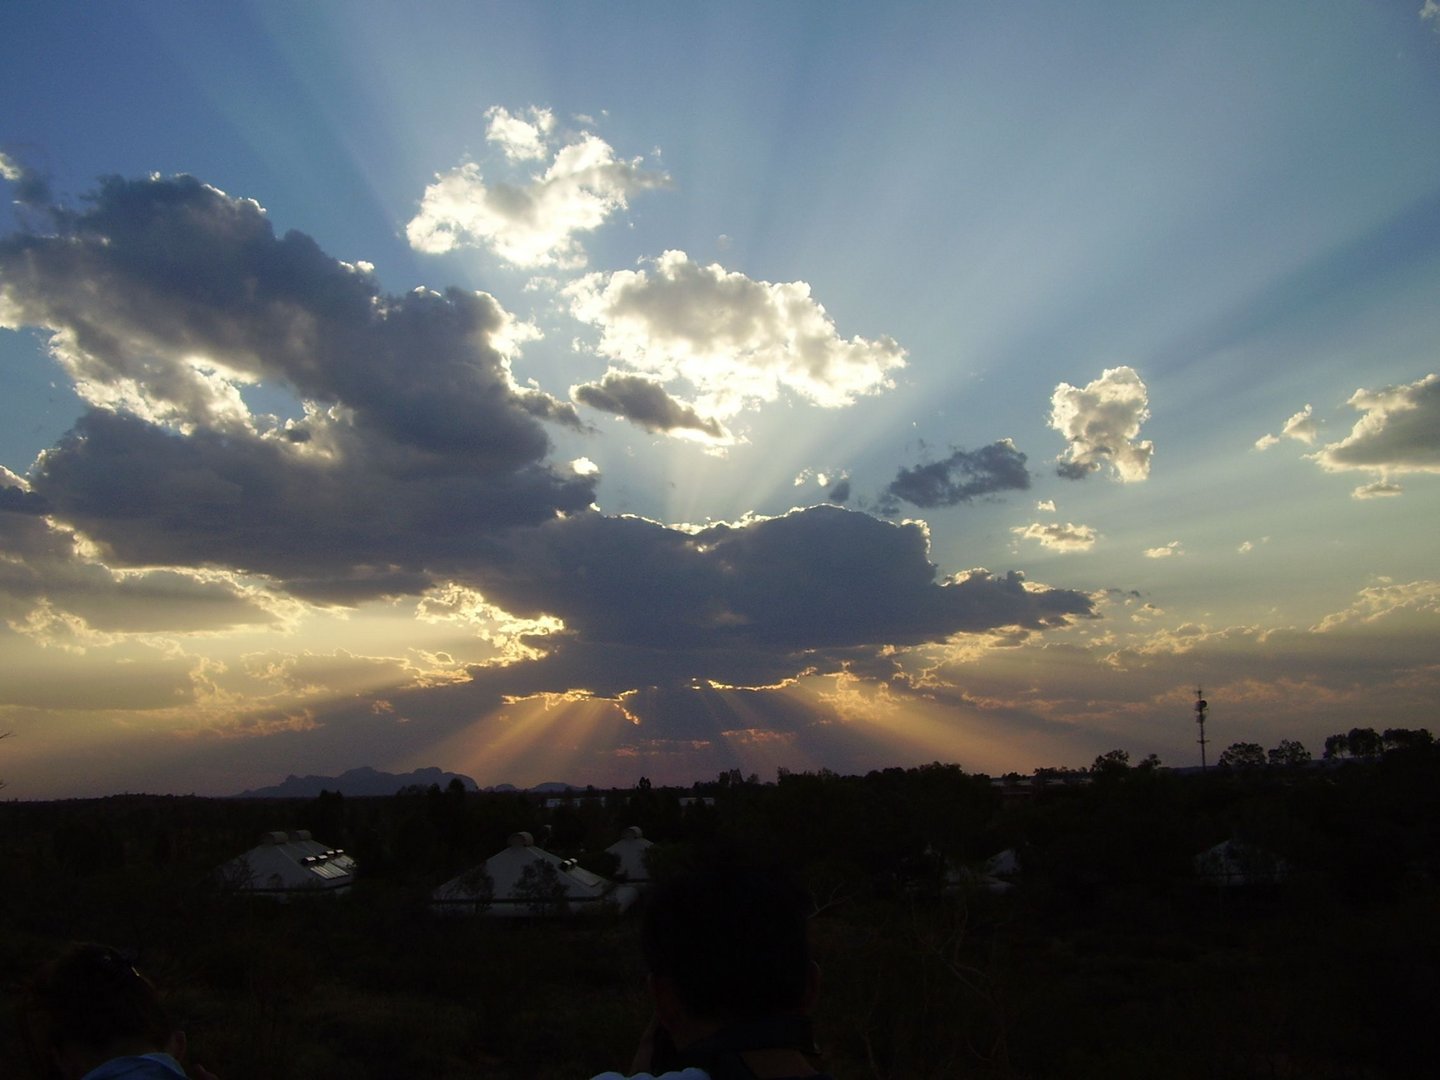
point(93, 998)
point(735, 945)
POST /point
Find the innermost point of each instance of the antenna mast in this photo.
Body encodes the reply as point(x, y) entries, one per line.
point(1200, 706)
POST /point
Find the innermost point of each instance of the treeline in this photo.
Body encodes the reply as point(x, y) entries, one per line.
point(1109, 956)
point(1358, 742)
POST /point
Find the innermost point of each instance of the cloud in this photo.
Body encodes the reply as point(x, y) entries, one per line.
point(735, 340)
point(165, 298)
point(646, 404)
point(1170, 549)
point(536, 222)
point(837, 484)
point(50, 580)
point(750, 604)
point(1383, 600)
point(30, 187)
point(1375, 658)
point(16, 498)
point(1302, 426)
point(312, 674)
point(522, 139)
point(1398, 432)
point(1380, 489)
point(961, 477)
point(415, 465)
point(1100, 422)
point(1057, 537)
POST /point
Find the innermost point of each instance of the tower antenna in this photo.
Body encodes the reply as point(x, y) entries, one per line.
point(1200, 706)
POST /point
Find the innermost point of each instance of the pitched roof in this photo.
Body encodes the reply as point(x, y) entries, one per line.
point(285, 864)
point(524, 879)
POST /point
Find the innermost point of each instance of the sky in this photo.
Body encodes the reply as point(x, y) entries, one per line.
point(593, 391)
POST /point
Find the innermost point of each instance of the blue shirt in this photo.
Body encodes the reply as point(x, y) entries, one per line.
point(155, 1066)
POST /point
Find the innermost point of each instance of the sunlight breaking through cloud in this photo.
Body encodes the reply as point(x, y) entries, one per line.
point(538, 221)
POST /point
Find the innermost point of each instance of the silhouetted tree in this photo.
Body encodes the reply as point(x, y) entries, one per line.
point(1364, 742)
point(541, 889)
point(325, 818)
point(1056, 772)
point(1289, 753)
point(1111, 763)
point(1242, 755)
point(1406, 739)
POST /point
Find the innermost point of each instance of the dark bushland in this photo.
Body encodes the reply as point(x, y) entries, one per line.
point(1107, 958)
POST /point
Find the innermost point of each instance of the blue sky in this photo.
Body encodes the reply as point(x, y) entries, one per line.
point(808, 384)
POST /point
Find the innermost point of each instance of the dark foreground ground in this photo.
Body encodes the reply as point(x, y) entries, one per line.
point(1108, 958)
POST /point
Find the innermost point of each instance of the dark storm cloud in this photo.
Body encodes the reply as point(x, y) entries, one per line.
point(840, 493)
point(645, 403)
point(648, 605)
point(362, 523)
point(163, 296)
point(158, 273)
point(964, 475)
point(419, 461)
point(1075, 470)
point(17, 500)
point(43, 568)
point(28, 187)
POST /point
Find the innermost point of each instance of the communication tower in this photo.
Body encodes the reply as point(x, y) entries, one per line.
point(1200, 706)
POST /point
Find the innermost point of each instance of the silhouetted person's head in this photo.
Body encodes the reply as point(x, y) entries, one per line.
point(88, 1007)
point(728, 947)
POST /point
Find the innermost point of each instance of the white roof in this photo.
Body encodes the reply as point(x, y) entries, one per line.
point(284, 864)
point(630, 850)
point(516, 881)
point(1004, 864)
point(1230, 863)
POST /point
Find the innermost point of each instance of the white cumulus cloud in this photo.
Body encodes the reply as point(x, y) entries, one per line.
point(522, 139)
point(1101, 422)
point(1398, 432)
point(734, 340)
point(1057, 537)
point(1302, 426)
point(1380, 489)
point(535, 222)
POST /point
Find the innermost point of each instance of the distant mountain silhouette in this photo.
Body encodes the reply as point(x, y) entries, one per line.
point(361, 781)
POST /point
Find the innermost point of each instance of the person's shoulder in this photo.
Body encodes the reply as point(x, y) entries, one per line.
point(155, 1066)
